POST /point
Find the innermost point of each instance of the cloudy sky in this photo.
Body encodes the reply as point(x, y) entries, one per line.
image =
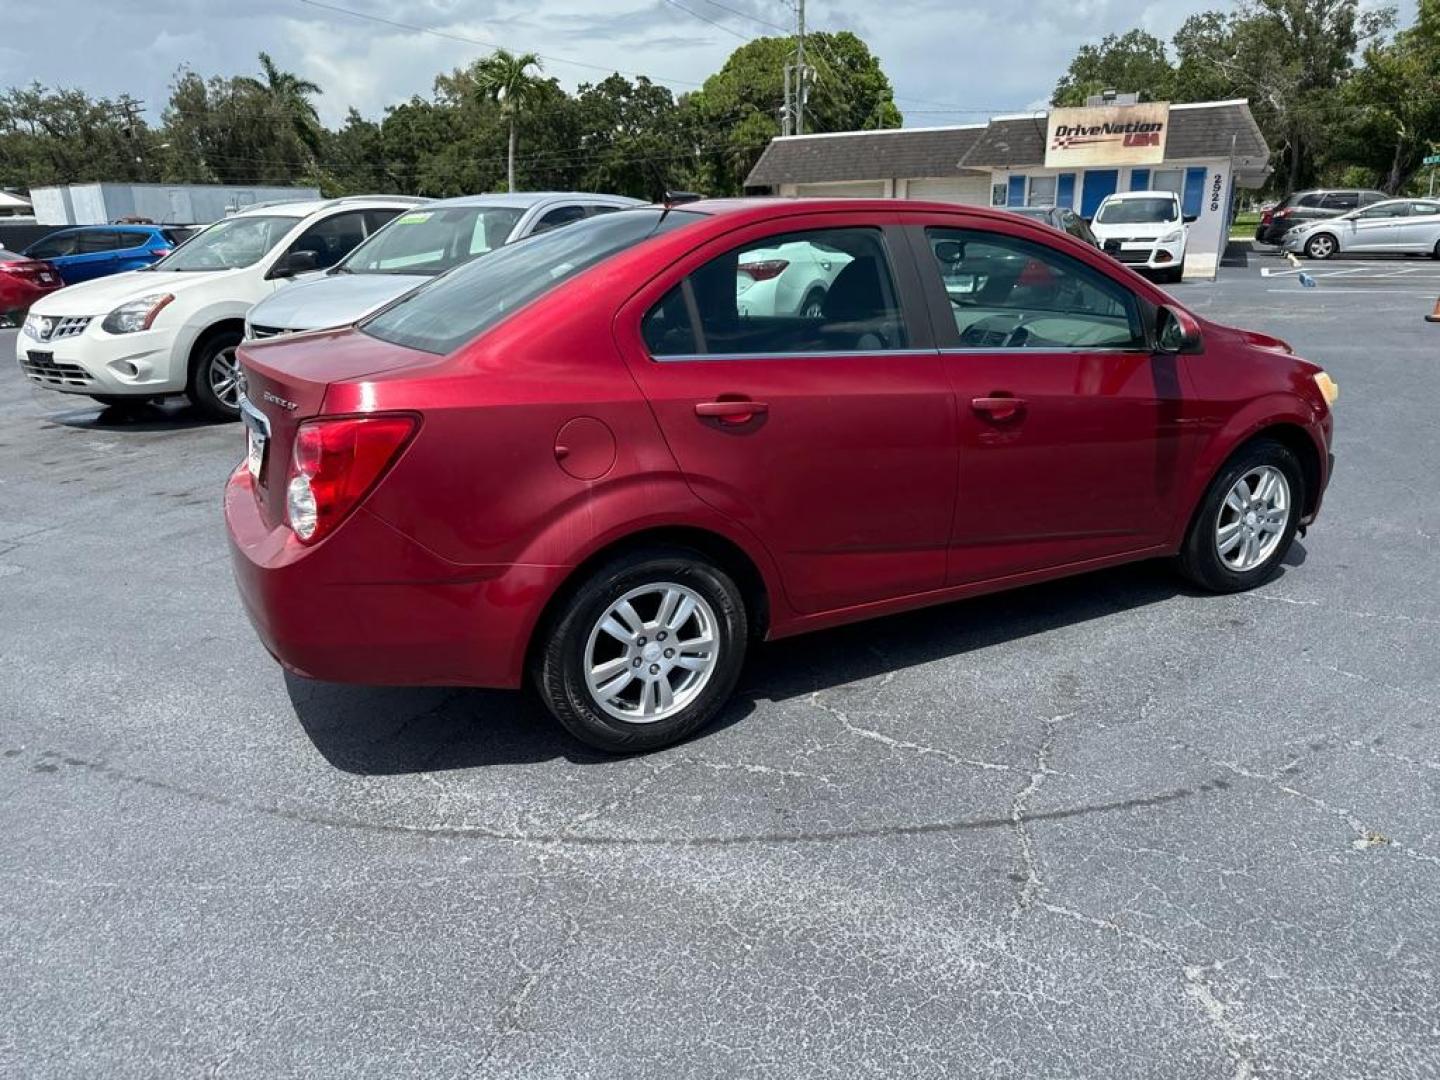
point(950, 62)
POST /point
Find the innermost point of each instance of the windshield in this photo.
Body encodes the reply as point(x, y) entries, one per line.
point(432, 241)
point(229, 244)
point(444, 314)
point(1139, 211)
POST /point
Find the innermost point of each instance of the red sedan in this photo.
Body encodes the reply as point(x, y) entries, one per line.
point(612, 457)
point(23, 281)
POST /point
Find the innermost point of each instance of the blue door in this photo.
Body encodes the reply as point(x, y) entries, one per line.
point(94, 256)
point(1098, 183)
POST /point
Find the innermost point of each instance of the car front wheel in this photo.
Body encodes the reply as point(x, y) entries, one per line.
point(1247, 521)
point(645, 652)
point(215, 377)
point(1320, 246)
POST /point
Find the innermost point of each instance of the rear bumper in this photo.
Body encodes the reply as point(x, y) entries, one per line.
point(369, 605)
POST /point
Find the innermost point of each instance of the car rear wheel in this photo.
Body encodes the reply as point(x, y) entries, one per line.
point(645, 651)
point(814, 305)
point(215, 377)
point(1247, 520)
point(1320, 246)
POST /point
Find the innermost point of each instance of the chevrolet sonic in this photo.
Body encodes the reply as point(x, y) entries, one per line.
point(588, 460)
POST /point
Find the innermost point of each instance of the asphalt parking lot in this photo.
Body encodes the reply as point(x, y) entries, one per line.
point(1103, 828)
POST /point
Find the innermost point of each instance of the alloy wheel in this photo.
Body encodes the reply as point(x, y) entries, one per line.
point(1252, 519)
point(1322, 247)
point(651, 652)
point(224, 376)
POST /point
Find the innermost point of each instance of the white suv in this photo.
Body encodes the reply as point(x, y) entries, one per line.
point(1146, 230)
point(173, 327)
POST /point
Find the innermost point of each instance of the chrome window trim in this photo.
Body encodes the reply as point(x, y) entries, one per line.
point(809, 355)
point(969, 350)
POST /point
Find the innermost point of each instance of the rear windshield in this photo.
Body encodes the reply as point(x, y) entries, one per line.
point(1138, 211)
point(444, 314)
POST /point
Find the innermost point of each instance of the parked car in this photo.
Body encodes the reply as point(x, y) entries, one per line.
point(1303, 207)
point(1059, 217)
point(94, 251)
point(172, 328)
point(419, 244)
point(22, 282)
point(1146, 230)
point(792, 278)
point(574, 458)
point(1393, 227)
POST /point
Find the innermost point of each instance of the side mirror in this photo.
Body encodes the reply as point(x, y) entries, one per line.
point(297, 262)
point(1190, 219)
point(1176, 331)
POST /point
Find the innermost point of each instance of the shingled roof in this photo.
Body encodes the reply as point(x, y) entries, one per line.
point(1202, 130)
point(864, 155)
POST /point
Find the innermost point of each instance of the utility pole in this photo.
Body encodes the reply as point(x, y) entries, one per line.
point(800, 67)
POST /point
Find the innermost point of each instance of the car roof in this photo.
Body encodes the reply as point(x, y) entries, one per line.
point(1119, 196)
point(111, 228)
point(301, 208)
point(765, 207)
point(527, 199)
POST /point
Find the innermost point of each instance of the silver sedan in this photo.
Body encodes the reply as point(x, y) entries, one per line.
point(1396, 226)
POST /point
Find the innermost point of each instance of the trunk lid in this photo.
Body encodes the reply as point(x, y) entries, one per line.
point(285, 384)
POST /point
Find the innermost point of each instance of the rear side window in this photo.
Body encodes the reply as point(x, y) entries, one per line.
point(1309, 199)
point(1341, 200)
point(802, 293)
point(1424, 209)
point(561, 215)
point(1368, 197)
point(1008, 293)
point(459, 306)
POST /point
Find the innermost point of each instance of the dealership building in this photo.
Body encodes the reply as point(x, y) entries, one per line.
point(1071, 157)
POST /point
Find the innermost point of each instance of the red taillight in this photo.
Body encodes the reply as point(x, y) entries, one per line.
point(1266, 216)
point(159, 253)
point(335, 463)
point(765, 269)
point(1283, 212)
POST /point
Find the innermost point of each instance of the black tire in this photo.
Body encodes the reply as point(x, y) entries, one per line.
point(1171, 276)
point(1312, 248)
point(1200, 560)
point(200, 389)
point(812, 307)
point(561, 653)
point(1436, 253)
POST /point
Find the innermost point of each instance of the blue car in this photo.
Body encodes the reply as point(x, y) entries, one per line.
point(94, 251)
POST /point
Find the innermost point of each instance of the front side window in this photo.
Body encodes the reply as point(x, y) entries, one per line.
point(229, 244)
point(1384, 210)
point(451, 310)
point(1008, 293)
point(94, 241)
point(433, 240)
point(332, 238)
point(1140, 211)
point(802, 293)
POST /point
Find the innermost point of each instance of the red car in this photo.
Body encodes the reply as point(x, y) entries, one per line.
point(613, 456)
point(22, 282)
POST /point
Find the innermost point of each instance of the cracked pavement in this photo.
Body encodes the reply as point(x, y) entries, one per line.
point(1103, 828)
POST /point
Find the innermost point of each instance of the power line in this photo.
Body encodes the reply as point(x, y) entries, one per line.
point(707, 19)
point(747, 15)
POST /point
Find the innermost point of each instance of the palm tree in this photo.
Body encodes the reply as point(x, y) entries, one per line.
point(505, 78)
point(289, 95)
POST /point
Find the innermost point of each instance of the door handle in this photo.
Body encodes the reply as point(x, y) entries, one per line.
point(731, 412)
point(999, 406)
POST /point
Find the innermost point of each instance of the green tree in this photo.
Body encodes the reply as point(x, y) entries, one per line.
point(64, 136)
point(1134, 62)
point(288, 96)
point(627, 138)
point(729, 121)
point(1393, 102)
point(505, 78)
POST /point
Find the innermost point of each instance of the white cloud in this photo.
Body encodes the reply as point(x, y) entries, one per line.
point(982, 56)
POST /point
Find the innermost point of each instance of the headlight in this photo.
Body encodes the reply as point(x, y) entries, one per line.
point(37, 327)
point(1329, 388)
point(136, 315)
point(1174, 236)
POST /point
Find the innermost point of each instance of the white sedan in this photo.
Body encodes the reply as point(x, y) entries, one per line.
point(789, 279)
point(1396, 226)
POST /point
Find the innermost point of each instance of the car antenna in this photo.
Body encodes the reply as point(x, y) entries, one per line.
point(678, 198)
